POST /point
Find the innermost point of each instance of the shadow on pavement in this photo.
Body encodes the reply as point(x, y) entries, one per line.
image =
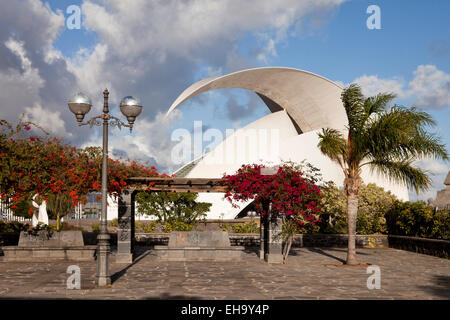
point(441, 287)
point(140, 256)
point(320, 251)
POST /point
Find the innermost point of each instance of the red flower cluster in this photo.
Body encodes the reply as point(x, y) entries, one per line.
point(288, 190)
point(35, 165)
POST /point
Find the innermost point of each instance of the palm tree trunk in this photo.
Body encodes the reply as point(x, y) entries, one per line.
point(352, 209)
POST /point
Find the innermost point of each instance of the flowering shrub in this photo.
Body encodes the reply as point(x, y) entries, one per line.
point(248, 227)
point(55, 171)
point(292, 190)
point(418, 220)
point(290, 193)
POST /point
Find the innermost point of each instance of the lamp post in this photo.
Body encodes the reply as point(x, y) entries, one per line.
point(80, 105)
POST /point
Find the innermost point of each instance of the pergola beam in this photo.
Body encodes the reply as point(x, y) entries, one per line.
point(177, 184)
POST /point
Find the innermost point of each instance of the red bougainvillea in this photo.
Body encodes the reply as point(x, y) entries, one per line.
point(292, 192)
point(32, 165)
point(289, 191)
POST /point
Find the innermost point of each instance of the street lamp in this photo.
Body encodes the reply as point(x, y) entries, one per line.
point(80, 105)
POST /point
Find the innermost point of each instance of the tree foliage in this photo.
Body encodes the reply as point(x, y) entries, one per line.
point(374, 202)
point(417, 219)
point(172, 208)
point(292, 192)
point(388, 140)
point(43, 165)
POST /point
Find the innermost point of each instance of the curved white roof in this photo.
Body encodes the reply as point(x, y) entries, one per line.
point(311, 101)
point(300, 102)
point(238, 149)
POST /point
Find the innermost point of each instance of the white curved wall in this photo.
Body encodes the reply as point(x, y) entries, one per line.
point(286, 145)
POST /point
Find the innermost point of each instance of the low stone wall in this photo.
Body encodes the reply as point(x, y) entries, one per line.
point(45, 254)
point(208, 225)
point(438, 248)
point(300, 240)
point(9, 238)
point(433, 247)
point(90, 238)
point(339, 240)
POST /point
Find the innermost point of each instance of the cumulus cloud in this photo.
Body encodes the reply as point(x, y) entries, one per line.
point(33, 75)
point(431, 86)
point(150, 49)
point(372, 85)
point(150, 141)
point(437, 172)
point(51, 121)
point(154, 49)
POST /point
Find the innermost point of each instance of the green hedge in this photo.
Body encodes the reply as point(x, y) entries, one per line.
point(13, 226)
point(247, 227)
point(417, 219)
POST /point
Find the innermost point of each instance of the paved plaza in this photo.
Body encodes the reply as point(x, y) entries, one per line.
point(311, 273)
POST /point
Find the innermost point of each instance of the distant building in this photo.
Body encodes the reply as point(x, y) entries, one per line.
point(442, 200)
point(302, 104)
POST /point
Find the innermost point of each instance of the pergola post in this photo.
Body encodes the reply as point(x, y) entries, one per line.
point(126, 230)
point(273, 237)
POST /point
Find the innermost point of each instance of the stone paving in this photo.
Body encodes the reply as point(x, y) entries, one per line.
point(311, 273)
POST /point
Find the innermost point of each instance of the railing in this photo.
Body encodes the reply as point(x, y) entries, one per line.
point(7, 214)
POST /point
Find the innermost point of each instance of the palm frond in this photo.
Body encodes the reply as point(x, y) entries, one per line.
point(353, 100)
point(377, 104)
point(333, 145)
point(402, 171)
point(400, 133)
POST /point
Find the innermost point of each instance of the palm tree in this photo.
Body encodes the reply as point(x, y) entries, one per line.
point(388, 141)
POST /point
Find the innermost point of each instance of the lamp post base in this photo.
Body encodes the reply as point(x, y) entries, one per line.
point(103, 277)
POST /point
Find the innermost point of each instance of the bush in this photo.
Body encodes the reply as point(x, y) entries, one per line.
point(374, 202)
point(417, 219)
point(41, 227)
point(441, 226)
point(171, 206)
point(13, 226)
point(64, 226)
point(114, 223)
point(174, 225)
point(95, 227)
point(247, 227)
point(145, 227)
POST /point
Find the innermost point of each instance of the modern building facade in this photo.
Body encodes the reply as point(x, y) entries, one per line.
point(302, 104)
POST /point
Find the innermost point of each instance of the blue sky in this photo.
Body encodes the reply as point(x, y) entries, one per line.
point(157, 49)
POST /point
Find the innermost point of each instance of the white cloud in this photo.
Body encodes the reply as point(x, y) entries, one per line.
point(150, 49)
point(437, 172)
point(19, 85)
point(431, 86)
point(150, 140)
point(372, 85)
point(33, 75)
point(153, 50)
point(50, 121)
